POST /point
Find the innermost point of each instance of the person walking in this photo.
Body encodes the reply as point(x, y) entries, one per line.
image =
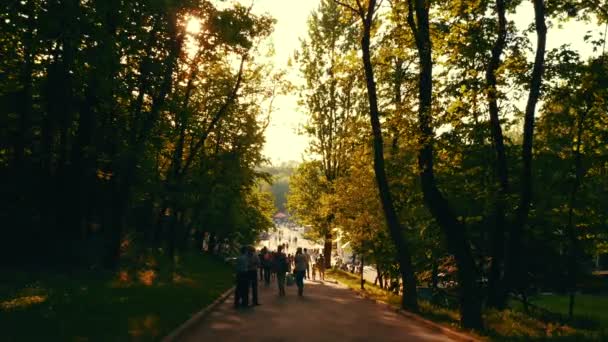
point(321, 267)
point(307, 256)
point(254, 264)
point(281, 266)
point(261, 258)
point(266, 265)
point(241, 294)
point(300, 270)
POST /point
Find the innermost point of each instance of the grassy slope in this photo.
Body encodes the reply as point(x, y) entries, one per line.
point(588, 306)
point(99, 307)
point(500, 326)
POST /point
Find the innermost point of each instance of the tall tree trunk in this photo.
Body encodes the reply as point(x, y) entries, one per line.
point(361, 272)
point(327, 247)
point(434, 275)
point(409, 299)
point(496, 297)
point(140, 137)
point(572, 236)
point(25, 94)
point(454, 230)
point(514, 266)
point(379, 275)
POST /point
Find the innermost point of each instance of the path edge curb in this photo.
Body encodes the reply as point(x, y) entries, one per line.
point(457, 335)
point(197, 318)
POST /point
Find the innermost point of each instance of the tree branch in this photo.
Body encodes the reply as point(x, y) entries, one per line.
point(218, 116)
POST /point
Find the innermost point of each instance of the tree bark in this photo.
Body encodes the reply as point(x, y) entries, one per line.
point(361, 272)
point(327, 248)
point(25, 94)
point(128, 178)
point(454, 230)
point(496, 297)
point(409, 299)
point(434, 275)
point(379, 276)
point(514, 266)
point(572, 236)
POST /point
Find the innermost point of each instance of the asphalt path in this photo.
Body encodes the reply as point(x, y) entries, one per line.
point(326, 312)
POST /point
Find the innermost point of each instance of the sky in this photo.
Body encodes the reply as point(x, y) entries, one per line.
point(283, 143)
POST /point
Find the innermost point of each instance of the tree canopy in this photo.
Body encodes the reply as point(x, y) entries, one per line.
point(468, 141)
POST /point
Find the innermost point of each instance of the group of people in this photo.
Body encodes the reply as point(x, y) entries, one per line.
point(273, 265)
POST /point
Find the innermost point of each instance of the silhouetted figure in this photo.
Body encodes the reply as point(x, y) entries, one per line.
point(261, 258)
point(254, 264)
point(321, 267)
point(307, 256)
point(281, 265)
point(300, 270)
point(241, 294)
point(266, 264)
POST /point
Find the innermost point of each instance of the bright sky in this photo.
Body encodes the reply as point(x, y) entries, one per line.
point(283, 143)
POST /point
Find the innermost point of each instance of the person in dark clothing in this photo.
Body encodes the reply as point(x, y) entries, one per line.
point(321, 267)
point(241, 294)
point(254, 264)
point(261, 258)
point(307, 256)
point(300, 270)
point(281, 266)
point(266, 264)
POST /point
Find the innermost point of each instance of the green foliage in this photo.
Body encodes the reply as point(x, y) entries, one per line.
point(117, 120)
point(280, 183)
point(309, 194)
point(463, 34)
point(98, 306)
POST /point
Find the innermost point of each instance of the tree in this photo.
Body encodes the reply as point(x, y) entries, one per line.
point(570, 130)
point(330, 96)
point(458, 244)
point(308, 189)
point(121, 116)
point(365, 13)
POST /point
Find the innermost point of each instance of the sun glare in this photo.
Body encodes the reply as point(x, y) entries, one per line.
point(193, 25)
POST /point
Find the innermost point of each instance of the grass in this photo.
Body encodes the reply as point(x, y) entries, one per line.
point(586, 307)
point(133, 305)
point(507, 325)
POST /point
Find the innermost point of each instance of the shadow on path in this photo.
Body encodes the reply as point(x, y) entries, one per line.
point(326, 312)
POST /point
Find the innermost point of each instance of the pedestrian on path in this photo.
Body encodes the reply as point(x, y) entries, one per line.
point(281, 266)
point(261, 258)
point(241, 293)
point(307, 256)
point(300, 270)
point(254, 264)
point(321, 267)
point(266, 265)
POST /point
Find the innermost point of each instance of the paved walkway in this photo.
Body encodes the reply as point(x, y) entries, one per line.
point(325, 313)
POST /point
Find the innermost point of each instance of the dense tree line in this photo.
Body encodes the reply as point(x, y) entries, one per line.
point(124, 121)
point(438, 161)
point(280, 182)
